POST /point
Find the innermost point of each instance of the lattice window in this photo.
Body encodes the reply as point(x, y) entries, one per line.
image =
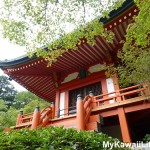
point(95, 88)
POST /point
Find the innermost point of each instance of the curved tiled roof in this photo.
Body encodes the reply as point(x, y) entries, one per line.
point(23, 59)
point(16, 61)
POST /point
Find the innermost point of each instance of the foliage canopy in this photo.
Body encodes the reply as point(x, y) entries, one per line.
point(55, 138)
point(7, 90)
point(25, 97)
point(25, 101)
point(48, 24)
point(135, 55)
point(8, 118)
point(37, 24)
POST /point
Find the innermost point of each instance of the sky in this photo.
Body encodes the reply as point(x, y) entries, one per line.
point(10, 51)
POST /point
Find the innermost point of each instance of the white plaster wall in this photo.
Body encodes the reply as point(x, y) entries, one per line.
point(70, 77)
point(96, 68)
point(110, 88)
point(62, 103)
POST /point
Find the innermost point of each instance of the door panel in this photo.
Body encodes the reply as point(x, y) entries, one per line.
point(95, 88)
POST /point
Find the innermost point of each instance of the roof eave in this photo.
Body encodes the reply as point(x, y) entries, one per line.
point(23, 59)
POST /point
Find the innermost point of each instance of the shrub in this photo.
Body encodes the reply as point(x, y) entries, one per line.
point(147, 138)
point(54, 138)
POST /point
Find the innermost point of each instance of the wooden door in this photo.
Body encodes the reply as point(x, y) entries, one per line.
point(84, 91)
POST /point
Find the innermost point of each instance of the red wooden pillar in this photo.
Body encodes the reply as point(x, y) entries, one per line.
point(57, 102)
point(66, 111)
point(19, 118)
point(80, 113)
point(147, 90)
point(124, 126)
point(36, 118)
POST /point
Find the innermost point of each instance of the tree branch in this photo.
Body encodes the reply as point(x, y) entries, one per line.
point(45, 12)
point(84, 11)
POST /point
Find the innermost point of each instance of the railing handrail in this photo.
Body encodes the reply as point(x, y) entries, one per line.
point(26, 118)
point(105, 94)
point(105, 99)
point(45, 109)
point(130, 87)
point(87, 107)
point(87, 103)
point(45, 114)
point(86, 98)
point(118, 91)
point(133, 91)
point(28, 114)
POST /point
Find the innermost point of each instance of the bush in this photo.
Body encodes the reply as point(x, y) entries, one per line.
point(147, 138)
point(8, 118)
point(54, 138)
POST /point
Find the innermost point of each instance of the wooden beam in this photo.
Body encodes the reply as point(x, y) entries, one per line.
point(30, 74)
point(109, 113)
point(55, 79)
point(127, 109)
point(137, 107)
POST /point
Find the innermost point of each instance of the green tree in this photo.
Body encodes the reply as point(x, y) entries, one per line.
point(23, 98)
point(7, 91)
point(8, 118)
point(30, 106)
point(3, 107)
point(135, 55)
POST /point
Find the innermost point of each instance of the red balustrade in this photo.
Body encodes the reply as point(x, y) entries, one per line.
point(120, 95)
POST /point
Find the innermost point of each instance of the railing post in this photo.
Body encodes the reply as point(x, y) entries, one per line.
point(53, 109)
point(80, 113)
point(36, 118)
point(93, 102)
point(58, 113)
point(91, 93)
point(19, 118)
point(147, 89)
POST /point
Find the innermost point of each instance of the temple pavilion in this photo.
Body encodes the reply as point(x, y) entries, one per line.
point(80, 93)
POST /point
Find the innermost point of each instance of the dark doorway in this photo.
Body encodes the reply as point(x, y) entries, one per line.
point(139, 123)
point(111, 127)
point(84, 91)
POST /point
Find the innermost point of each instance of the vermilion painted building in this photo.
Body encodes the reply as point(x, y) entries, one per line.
point(81, 95)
